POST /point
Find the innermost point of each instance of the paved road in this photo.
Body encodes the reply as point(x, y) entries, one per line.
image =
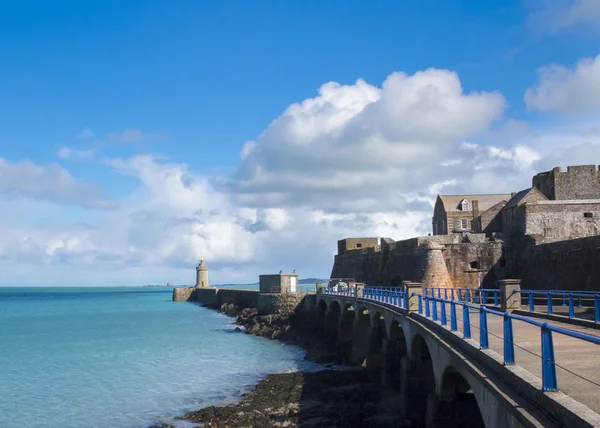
point(578, 362)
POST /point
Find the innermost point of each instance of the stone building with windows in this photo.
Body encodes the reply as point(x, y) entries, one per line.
point(466, 213)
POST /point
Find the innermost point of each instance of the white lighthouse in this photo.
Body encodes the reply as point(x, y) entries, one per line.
point(201, 274)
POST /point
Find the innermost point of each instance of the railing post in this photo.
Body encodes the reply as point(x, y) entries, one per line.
point(496, 297)
point(427, 311)
point(510, 294)
point(597, 307)
point(453, 324)
point(483, 298)
point(452, 295)
point(549, 304)
point(509, 346)
point(434, 309)
point(446, 293)
point(564, 299)
point(549, 381)
point(466, 322)
point(468, 296)
point(420, 304)
point(531, 304)
point(579, 305)
point(483, 330)
point(443, 313)
point(571, 306)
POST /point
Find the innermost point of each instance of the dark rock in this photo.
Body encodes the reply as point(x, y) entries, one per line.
point(237, 329)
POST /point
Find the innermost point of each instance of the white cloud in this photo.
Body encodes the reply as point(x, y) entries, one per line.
point(51, 183)
point(567, 91)
point(68, 153)
point(133, 135)
point(360, 148)
point(356, 160)
point(558, 15)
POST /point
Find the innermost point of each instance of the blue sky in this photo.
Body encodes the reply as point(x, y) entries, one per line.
point(138, 135)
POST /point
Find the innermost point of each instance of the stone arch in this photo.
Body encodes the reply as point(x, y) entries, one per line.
point(345, 333)
point(360, 336)
point(347, 323)
point(395, 349)
point(332, 319)
point(322, 305)
point(377, 338)
point(456, 406)
point(417, 378)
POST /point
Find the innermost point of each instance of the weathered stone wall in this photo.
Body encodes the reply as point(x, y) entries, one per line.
point(579, 182)
point(557, 222)
point(449, 265)
point(183, 294)
point(474, 264)
point(356, 243)
point(562, 265)
point(269, 303)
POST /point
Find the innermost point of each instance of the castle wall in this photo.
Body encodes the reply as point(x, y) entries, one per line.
point(557, 222)
point(579, 182)
point(413, 260)
point(562, 265)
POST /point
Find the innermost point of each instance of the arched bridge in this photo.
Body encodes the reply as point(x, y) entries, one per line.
point(459, 363)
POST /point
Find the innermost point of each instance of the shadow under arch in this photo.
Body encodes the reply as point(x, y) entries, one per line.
point(457, 406)
point(332, 320)
point(360, 337)
point(395, 350)
point(377, 336)
point(418, 380)
point(346, 328)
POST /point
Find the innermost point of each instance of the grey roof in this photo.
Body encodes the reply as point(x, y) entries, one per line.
point(487, 201)
point(520, 196)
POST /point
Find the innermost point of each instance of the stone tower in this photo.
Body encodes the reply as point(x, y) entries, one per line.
point(201, 274)
point(435, 273)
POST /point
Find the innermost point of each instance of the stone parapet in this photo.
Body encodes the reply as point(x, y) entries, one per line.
point(183, 294)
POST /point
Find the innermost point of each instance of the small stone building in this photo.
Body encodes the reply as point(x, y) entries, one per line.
point(466, 213)
point(579, 182)
point(280, 283)
point(356, 244)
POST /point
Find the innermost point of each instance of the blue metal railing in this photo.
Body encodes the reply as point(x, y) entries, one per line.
point(578, 304)
point(435, 308)
point(549, 379)
point(482, 296)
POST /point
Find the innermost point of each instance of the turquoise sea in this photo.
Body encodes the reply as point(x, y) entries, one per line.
point(122, 357)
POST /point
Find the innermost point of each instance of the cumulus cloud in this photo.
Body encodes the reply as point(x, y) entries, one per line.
point(560, 15)
point(356, 148)
point(51, 183)
point(356, 160)
point(565, 90)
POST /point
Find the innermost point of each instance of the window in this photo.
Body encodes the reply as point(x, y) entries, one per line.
point(464, 205)
point(474, 265)
point(588, 215)
point(464, 224)
point(358, 245)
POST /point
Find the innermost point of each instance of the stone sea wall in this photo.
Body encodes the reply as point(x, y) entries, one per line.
point(216, 297)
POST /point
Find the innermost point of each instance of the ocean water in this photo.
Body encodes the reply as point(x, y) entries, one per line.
point(122, 357)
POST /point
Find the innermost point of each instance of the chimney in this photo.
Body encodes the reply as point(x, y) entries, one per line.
point(512, 194)
point(475, 203)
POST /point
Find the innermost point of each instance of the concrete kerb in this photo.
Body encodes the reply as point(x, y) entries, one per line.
point(559, 318)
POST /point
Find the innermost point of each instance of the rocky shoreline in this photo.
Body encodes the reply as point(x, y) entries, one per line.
point(329, 398)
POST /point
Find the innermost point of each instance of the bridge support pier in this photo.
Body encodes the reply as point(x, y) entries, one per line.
point(360, 338)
